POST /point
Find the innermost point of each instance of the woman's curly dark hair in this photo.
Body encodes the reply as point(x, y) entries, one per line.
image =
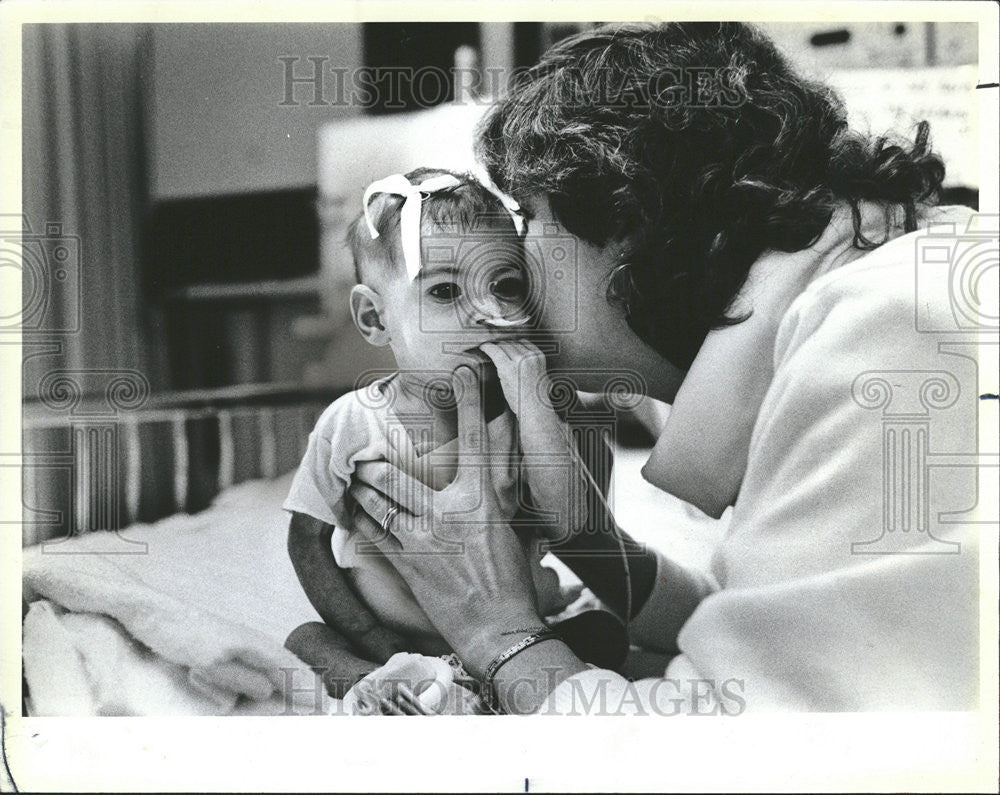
point(611, 125)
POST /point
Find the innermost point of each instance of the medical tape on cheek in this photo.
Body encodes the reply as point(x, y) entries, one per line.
point(504, 322)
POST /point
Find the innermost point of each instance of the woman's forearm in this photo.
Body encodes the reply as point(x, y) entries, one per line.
point(677, 591)
point(667, 591)
point(599, 555)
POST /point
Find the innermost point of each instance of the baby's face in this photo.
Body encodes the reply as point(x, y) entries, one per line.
point(470, 290)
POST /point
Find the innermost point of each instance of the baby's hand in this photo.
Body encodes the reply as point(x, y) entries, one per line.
point(411, 684)
point(552, 466)
point(523, 377)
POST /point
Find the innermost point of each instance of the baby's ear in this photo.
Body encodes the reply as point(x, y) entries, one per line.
point(366, 310)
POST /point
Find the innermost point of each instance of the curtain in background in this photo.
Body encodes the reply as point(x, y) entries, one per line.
point(84, 168)
point(86, 337)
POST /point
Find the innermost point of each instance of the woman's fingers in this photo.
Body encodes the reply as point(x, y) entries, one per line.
point(372, 503)
point(394, 483)
point(380, 643)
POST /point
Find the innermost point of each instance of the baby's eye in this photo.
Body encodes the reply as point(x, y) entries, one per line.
point(512, 289)
point(445, 291)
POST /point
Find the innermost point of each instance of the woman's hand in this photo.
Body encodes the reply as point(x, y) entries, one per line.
point(455, 547)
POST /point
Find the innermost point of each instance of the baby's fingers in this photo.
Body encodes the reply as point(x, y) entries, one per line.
point(506, 369)
point(499, 352)
point(472, 436)
point(527, 349)
point(389, 707)
point(411, 703)
point(364, 700)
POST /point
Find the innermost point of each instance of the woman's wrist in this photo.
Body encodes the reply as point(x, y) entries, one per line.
point(524, 682)
point(487, 643)
point(520, 684)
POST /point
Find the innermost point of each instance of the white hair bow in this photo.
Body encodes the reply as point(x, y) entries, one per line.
point(409, 217)
point(509, 204)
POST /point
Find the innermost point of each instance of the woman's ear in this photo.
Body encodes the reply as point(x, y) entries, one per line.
point(366, 310)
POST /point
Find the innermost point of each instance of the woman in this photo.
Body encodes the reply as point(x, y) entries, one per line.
point(753, 261)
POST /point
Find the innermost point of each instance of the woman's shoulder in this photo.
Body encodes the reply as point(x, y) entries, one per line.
point(878, 272)
point(884, 293)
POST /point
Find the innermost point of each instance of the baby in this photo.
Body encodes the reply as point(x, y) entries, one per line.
point(442, 281)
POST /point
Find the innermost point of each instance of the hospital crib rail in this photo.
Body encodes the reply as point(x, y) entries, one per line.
point(103, 462)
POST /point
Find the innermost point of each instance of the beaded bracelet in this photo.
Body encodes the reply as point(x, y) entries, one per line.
point(489, 696)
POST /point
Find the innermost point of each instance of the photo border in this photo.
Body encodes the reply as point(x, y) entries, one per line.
point(876, 751)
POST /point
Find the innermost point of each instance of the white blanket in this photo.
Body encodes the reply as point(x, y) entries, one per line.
point(193, 625)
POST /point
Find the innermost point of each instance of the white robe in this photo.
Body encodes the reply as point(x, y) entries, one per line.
point(841, 424)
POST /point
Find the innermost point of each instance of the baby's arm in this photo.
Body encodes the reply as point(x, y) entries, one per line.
point(556, 476)
point(600, 550)
point(330, 593)
point(591, 543)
